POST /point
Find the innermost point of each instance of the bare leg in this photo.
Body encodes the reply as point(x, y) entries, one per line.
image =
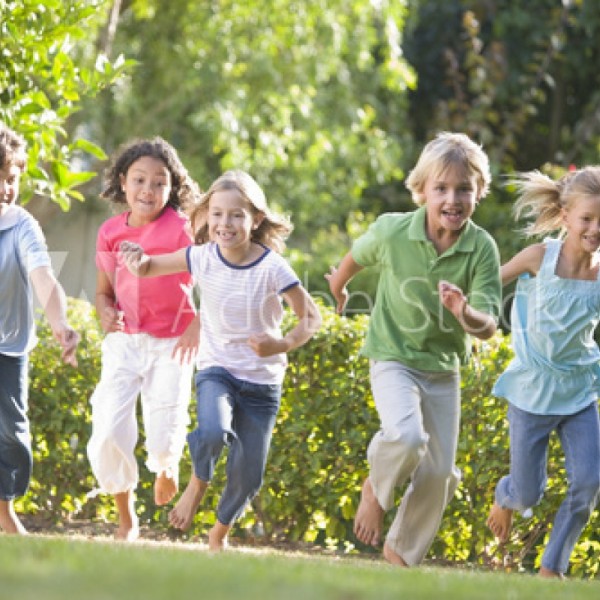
point(500, 522)
point(548, 574)
point(165, 488)
point(182, 516)
point(217, 537)
point(368, 522)
point(9, 522)
point(393, 557)
point(128, 529)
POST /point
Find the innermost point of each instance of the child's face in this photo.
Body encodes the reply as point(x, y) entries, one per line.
point(147, 186)
point(10, 175)
point(582, 222)
point(450, 199)
point(230, 221)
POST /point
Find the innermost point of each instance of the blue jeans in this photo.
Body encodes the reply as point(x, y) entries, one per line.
point(15, 441)
point(579, 435)
point(240, 415)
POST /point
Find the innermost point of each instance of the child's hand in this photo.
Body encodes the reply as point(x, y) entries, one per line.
point(266, 345)
point(187, 344)
point(68, 338)
point(133, 257)
point(452, 297)
point(340, 295)
point(111, 320)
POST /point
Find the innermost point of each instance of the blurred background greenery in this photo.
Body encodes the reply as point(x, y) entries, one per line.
point(327, 104)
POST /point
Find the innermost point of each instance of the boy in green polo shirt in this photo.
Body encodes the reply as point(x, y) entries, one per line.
point(439, 284)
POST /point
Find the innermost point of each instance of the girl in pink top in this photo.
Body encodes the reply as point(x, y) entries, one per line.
point(152, 333)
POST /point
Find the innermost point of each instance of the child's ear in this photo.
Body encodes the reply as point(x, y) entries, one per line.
point(258, 219)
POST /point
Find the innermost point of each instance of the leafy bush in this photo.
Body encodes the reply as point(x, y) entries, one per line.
point(318, 455)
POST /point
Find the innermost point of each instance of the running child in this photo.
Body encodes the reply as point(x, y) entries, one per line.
point(242, 357)
point(152, 332)
point(553, 382)
point(25, 266)
point(439, 284)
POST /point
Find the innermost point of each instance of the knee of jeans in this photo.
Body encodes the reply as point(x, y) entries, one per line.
point(589, 492)
point(209, 439)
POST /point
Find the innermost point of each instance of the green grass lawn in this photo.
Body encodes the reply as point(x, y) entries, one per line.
point(47, 568)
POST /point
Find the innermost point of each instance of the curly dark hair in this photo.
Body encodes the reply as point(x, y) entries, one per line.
point(185, 192)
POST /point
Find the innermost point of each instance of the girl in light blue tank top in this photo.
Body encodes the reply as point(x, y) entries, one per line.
point(553, 382)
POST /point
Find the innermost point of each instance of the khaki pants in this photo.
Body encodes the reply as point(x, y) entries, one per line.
point(419, 413)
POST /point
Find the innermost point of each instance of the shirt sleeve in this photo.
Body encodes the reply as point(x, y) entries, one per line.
point(106, 259)
point(486, 290)
point(285, 276)
point(366, 250)
point(33, 252)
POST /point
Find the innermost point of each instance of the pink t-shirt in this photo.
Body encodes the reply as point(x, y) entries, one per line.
point(160, 306)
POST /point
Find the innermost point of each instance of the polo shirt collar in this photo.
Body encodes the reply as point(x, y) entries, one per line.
point(465, 243)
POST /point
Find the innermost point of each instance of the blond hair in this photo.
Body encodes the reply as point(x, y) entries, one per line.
point(543, 199)
point(449, 150)
point(273, 229)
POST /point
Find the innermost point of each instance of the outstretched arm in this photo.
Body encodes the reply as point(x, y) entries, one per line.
point(142, 265)
point(309, 322)
point(54, 303)
point(526, 261)
point(474, 322)
point(339, 278)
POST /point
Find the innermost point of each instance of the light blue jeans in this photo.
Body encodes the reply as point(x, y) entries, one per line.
point(579, 435)
point(15, 440)
point(240, 415)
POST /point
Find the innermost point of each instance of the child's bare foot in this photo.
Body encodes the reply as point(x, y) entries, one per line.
point(129, 529)
point(128, 532)
point(500, 522)
point(9, 522)
point(165, 488)
point(368, 522)
point(182, 515)
point(393, 557)
point(548, 574)
point(217, 537)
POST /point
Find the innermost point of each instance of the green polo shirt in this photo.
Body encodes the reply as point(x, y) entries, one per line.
point(409, 324)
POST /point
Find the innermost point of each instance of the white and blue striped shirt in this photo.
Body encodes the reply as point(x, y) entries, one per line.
point(237, 302)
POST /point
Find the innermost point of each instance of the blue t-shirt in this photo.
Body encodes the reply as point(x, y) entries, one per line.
point(22, 249)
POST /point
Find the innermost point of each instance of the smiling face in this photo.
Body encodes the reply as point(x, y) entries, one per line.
point(147, 186)
point(230, 222)
point(582, 222)
point(10, 175)
point(450, 199)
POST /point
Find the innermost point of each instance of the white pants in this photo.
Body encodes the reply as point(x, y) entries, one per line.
point(420, 414)
point(134, 364)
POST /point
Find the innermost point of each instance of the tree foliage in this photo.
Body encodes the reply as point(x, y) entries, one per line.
point(47, 67)
point(308, 96)
point(519, 77)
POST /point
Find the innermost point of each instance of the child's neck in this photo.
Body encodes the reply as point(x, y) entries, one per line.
point(242, 256)
point(577, 264)
point(442, 239)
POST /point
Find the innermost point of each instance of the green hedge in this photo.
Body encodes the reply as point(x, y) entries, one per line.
point(317, 461)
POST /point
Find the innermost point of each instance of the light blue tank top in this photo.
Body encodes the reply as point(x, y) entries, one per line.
point(556, 369)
